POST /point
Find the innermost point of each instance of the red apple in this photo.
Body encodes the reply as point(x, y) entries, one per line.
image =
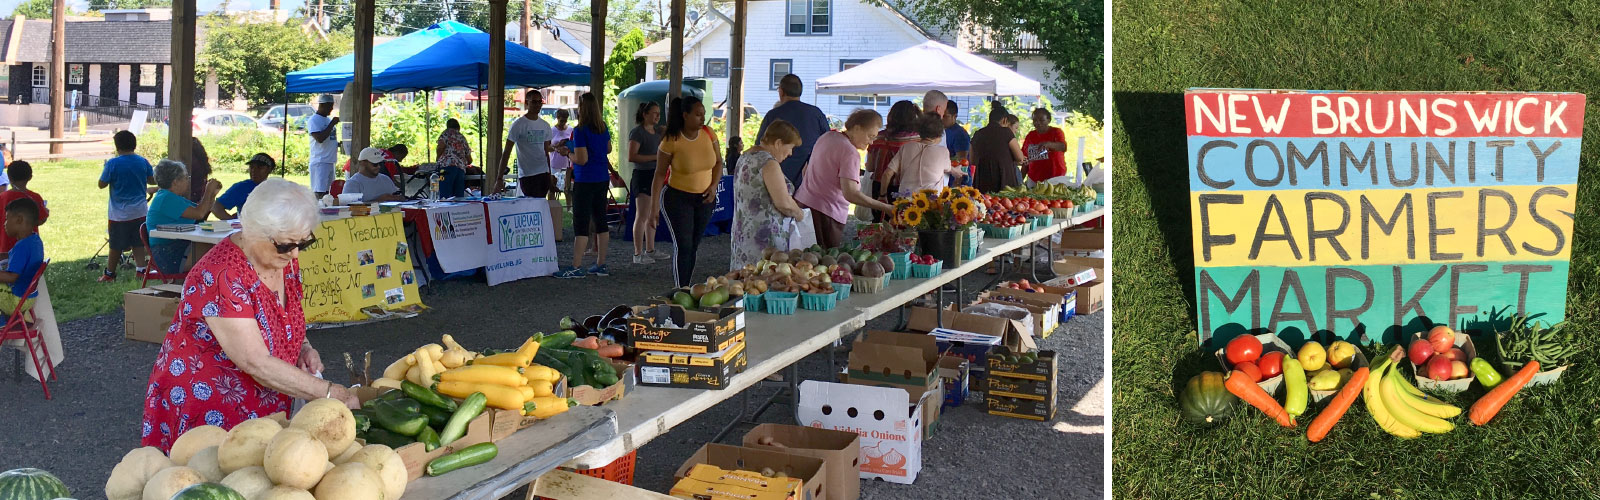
point(1456, 354)
point(1442, 338)
point(1271, 364)
point(1439, 368)
point(1250, 371)
point(1243, 348)
point(1458, 370)
point(1420, 351)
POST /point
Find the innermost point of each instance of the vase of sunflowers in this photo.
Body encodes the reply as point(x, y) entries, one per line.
point(940, 219)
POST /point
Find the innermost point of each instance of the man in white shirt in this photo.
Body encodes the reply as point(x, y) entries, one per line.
point(371, 185)
point(324, 145)
point(530, 135)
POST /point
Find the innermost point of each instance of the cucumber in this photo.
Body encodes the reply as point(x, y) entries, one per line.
point(548, 358)
point(379, 435)
point(468, 410)
point(559, 340)
point(472, 455)
point(437, 417)
point(426, 396)
point(595, 368)
point(428, 438)
point(398, 418)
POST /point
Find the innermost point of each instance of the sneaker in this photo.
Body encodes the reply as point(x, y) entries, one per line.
point(106, 278)
point(599, 270)
point(659, 255)
point(570, 273)
point(643, 259)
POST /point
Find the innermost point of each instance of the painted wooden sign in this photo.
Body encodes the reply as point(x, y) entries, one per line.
point(1378, 212)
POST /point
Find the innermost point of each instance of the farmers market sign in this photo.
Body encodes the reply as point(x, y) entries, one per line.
point(1378, 212)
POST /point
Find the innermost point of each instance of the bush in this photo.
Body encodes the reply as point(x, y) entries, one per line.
point(229, 151)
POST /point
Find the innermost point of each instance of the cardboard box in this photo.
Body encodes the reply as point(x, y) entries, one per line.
point(1046, 308)
point(1091, 297)
point(840, 452)
point(148, 312)
point(697, 332)
point(972, 347)
point(807, 469)
point(1031, 409)
point(1069, 297)
point(955, 374)
point(694, 370)
point(416, 456)
point(1082, 239)
point(907, 361)
point(925, 319)
point(891, 446)
point(590, 396)
point(1042, 368)
point(1073, 265)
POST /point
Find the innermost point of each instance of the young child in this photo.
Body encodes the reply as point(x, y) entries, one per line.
point(22, 224)
point(127, 175)
point(20, 173)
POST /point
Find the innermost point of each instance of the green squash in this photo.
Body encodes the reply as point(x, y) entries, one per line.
point(1206, 400)
point(208, 491)
point(30, 484)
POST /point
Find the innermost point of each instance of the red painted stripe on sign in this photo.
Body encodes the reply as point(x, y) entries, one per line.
point(1252, 113)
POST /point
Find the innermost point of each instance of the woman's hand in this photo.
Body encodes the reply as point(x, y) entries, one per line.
point(310, 360)
point(710, 194)
point(344, 394)
point(795, 213)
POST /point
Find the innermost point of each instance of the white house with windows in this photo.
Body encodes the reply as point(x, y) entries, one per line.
point(814, 39)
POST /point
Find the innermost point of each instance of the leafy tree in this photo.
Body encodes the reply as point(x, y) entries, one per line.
point(621, 71)
point(1071, 32)
point(252, 59)
point(624, 16)
point(37, 9)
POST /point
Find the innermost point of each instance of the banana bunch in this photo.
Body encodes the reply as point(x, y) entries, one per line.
point(1402, 409)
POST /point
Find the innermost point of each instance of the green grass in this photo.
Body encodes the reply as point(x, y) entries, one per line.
point(77, 229)
point(1543, 443)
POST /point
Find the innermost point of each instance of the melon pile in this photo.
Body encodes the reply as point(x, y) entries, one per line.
point(314, 456)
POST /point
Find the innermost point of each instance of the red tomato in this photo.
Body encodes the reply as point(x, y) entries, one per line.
point(1243, 348)
point(1271, 364)
point(1250, 370)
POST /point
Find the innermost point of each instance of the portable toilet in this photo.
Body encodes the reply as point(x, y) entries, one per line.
point(628, 102)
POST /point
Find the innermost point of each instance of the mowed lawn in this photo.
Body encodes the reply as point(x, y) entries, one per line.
point(76, 231)
point(1542, 445)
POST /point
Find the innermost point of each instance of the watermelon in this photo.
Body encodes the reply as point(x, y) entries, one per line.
point(208, 491)
point(30, 484)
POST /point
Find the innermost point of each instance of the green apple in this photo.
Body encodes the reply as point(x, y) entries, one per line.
point(1312, 356)
point(1324, 380)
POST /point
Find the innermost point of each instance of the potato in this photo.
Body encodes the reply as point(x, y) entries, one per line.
point(250, 482)
point(328, 420)
point(205, 462)
point(194, 440)
point(355, 446)
point(246, 444)
point(130, 475)
point(294, 458)
point(389, 466)
point(285, 493)
point(351, 481)
point(170, 481)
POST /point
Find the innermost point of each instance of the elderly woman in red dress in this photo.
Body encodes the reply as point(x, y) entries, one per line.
point(237, 346)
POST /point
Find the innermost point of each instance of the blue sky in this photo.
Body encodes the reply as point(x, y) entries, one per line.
point(7, 6)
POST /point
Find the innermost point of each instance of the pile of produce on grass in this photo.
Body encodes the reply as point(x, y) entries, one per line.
point(314, 455)
point(1521, 342)
point(1437, 358)
point(814, 270)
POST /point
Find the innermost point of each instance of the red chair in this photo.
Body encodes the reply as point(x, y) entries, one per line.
point(19, 326)
point(154, 273)
point(336, 188)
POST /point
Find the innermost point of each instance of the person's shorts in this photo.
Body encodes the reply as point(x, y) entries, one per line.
point(536, 185)
point(640, 184)
point(321, 178)
point(125, 235)
point(8, 303)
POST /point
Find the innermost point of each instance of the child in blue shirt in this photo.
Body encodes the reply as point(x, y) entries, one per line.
point(127, 175)
point(22, 223)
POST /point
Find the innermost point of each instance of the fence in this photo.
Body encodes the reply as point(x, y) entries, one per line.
point(100, 110)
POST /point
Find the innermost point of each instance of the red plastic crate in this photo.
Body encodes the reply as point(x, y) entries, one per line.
point(619, 470)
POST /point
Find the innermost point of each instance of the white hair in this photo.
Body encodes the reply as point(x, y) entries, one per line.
point(934, 100)
point(168, 172)
point(279, 208)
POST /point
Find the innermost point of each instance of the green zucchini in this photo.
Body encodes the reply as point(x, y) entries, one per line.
point(468, 410)
point(428, 438)
point(466, 457)
point(363, 419)
point(386, 396)
point(426, 396)
point(398, 418)
point(437, 417)
point(547, 357)
point(558, 340)
point(379, 435)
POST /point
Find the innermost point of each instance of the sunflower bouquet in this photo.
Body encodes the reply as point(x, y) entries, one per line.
point(951, 208)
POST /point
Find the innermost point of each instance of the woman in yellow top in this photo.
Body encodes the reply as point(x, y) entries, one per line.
point(690, 153)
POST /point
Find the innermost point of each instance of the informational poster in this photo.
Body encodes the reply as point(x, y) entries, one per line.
point(522, 246)
point(459, 232)
point(1379, 213)
point(358, 268)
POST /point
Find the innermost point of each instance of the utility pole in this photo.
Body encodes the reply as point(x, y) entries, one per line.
point(675, 64)
point(322, 20)
point(275, 5)
point(58, 74)
point(597, 51)
point(527, 23)
point(180, 107)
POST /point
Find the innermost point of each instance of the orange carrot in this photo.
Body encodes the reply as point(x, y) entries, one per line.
point(1240, 385)
point(1336, 408)
point(587, 343)
point(1489, 405)
point(611, 351)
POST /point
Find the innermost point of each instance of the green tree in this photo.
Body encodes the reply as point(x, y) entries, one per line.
point(252, 59)
point(36, 9)
point(623, 16)
point(621, 71)
point(1071, 32)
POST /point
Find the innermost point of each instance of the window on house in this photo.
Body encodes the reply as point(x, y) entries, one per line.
point(41, 76)
point(860, 100)
point(660, 71)
point(780, 67)
point(810, 17)
point(74, 74)
point(716, 68)
point(147, 75)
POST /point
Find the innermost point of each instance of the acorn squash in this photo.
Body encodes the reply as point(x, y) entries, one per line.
point(1205, 400)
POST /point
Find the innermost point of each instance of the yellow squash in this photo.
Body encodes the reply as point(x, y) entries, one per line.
point(549, 406)
point(485, 374)
point(542, 388)
point(499, 396)
point(511, 359)
point(544, 373)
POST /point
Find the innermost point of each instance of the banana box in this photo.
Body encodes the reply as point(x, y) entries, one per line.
point(694, 370)
point(730, 471)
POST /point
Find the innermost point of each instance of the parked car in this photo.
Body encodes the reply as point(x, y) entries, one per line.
point(216, 121)
point(272, 118)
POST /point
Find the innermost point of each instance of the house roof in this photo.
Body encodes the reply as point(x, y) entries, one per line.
point(124, 42)
point(663, 47)
point(582, 32)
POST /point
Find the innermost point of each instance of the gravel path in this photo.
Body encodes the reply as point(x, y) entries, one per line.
point(94, 418)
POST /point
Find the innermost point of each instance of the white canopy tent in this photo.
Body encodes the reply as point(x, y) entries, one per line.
point(929, 66)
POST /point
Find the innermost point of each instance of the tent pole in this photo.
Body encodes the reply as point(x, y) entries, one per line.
point(427, 124)
point(283, 156)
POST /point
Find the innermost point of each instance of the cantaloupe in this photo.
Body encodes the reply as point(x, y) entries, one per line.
point(246, 444)
point(170, 481)
point(194, 440)
point(250, 481)
point(285, 493)
point(389, 466)
point(294, 458)
point(351, 481)
point(130, 475)
point(280, 417)
point(328, 420)
point(205, 462)
point(355, 446)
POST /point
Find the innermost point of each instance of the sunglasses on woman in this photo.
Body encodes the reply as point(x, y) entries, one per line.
point(288, 247)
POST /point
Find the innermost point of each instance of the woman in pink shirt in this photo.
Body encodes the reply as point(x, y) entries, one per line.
point(832, 180)
point(924, 164)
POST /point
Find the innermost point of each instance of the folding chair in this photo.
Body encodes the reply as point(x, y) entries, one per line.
point(616, 213)
point(153, 272)
point(19, 326)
